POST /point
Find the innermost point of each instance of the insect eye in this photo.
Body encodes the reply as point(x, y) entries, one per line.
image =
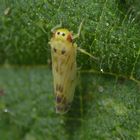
point(58, 33)
point(54, 49)
point(63, 34)
point(63, 51)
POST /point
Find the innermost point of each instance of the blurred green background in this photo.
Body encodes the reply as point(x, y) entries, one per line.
point(106, 103)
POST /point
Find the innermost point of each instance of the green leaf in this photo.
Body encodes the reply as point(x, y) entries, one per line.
point(29, 111)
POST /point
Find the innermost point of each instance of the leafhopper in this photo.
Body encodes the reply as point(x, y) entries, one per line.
point(64, 67)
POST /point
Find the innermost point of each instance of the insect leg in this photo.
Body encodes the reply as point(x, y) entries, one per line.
point(79, 30)
point(85, 52)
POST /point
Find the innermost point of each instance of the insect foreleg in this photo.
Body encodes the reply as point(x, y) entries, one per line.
point(79, 30)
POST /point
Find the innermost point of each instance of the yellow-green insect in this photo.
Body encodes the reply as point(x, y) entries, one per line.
point(63, 52)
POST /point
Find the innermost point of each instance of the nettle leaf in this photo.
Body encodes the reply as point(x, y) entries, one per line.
point(28, 107)
point(106, 102)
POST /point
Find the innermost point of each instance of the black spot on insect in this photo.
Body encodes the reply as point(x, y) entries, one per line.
point(63, 51)
point(54, 49)
point(63, 34)
point(59, 88)
point(59, 99)
point(58, 33)
point(63, 108)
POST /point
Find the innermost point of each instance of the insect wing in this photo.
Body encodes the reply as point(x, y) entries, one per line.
point(64, 73)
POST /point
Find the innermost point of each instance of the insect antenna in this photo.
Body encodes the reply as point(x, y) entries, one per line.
point(56, 27)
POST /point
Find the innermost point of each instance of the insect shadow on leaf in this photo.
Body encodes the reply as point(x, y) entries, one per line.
point(75, 117)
